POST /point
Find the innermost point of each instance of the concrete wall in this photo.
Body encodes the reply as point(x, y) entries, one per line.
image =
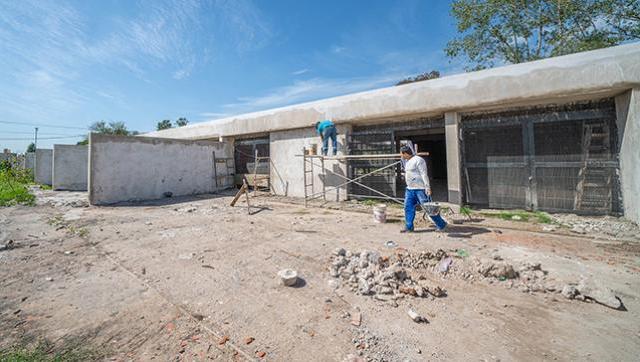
point(628, 114)
point(29, 161)
point(43, 171)
point(586, 75)
point(70, 167)
point(142, 168)
point(287, 176)
point(451, 130)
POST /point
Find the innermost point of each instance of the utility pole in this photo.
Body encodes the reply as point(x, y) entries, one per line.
point(35, 142)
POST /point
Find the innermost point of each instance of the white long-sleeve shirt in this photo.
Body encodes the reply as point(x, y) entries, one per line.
point(415, 174)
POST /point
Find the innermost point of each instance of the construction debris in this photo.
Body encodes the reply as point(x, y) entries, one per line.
point(368, 274)
point(415, 316)
point(591, 290)
point(289, 277)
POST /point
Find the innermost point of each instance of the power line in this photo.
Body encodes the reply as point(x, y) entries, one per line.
point(41, 134)
point(42, 125)
point(41, 138)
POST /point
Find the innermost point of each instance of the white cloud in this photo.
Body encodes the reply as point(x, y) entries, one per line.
point(300, 72)
point(336, 49)
point(308, 90)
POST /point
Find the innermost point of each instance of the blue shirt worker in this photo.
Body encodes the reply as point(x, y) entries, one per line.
point(418, 189)
point(327, 131)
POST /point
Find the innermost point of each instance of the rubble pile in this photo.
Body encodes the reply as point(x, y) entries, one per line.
point(612, 226)
point(369, 274)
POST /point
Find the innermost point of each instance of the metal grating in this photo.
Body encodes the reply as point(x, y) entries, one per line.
point(554, 159)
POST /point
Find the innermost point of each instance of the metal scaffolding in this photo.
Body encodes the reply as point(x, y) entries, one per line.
point(309, 171)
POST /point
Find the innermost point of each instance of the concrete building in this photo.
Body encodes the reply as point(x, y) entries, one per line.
point(70, 167)
point(558, 134)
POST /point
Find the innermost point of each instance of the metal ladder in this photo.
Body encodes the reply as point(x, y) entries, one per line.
point(594, 188)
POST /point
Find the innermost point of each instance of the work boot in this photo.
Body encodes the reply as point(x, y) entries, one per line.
point(406, 230)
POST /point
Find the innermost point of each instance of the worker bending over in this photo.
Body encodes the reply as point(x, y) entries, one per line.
point(418, 189)
point(327, 130)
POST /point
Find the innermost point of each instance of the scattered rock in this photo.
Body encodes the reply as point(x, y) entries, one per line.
point(599, 293)
point(289, 277)
point(356, 319)
point(415, 316)
point(49, 279)
point(249, 340)
point(223, 340)
point(261, 354)
point(8, 246)
point(516, 217)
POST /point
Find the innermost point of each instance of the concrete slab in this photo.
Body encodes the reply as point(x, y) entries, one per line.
point(43, 173)
point(70, 167)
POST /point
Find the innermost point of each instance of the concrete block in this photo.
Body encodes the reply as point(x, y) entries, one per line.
point(43, 172)
point(70, 167)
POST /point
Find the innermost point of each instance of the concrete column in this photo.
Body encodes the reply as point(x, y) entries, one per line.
point(628, 122)
point(451, 130)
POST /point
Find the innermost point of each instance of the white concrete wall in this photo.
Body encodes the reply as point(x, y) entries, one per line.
point(70, 167)
point(141, 168)
point(287, 176)
point(628, 113)
point(43, 171)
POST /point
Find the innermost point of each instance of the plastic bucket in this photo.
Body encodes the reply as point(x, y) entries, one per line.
point(380, 213)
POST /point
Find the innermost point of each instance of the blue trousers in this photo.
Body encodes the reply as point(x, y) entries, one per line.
point(329, 133)
point(413, 198)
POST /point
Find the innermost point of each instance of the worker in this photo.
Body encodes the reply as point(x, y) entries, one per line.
point(418, 189)
point(327, 130)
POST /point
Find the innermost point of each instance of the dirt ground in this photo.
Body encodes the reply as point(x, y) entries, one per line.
point(194, 279)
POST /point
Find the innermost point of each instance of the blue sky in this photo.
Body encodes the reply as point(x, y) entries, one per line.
point(71, 63)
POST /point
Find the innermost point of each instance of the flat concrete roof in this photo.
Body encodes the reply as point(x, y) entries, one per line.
point(593, 74)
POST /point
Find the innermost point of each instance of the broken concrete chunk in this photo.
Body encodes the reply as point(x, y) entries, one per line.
point(356, 319)
point(599, 293)
point(289, 277)
point(415, 316)
point(339, 252)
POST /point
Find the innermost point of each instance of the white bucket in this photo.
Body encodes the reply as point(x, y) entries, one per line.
point(380, 213)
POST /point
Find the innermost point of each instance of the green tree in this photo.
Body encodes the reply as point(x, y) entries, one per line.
point(181, 122)
point(112, 128)
point(514, 31)
point(420, 77)
point(31, 147)
point(164, 124)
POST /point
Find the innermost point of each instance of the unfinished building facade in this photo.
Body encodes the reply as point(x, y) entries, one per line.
point(557, 135)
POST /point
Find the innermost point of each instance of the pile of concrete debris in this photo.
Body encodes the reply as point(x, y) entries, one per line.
point(388, 278)
point(368, 273)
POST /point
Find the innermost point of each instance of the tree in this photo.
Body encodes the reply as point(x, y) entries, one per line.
point(514, 31)
point(181, 122)
point(164, 124)
point(31, 147)
point(420, 77)
point(112, 128)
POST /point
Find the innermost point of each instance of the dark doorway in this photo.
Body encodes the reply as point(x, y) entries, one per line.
point(432, 142)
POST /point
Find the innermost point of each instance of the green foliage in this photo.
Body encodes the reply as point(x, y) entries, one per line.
point(112, 128)
point(164, 124)
point(13, 185)
point(418, 78)
point(31, 147)
point(515, 31)
point(181, 122)
point(42, 353)
point(521, 215)
point(466, 211)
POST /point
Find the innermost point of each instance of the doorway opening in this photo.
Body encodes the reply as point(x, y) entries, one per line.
point(432, 143)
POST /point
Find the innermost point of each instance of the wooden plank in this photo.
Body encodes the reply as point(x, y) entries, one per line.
point(235, 198)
